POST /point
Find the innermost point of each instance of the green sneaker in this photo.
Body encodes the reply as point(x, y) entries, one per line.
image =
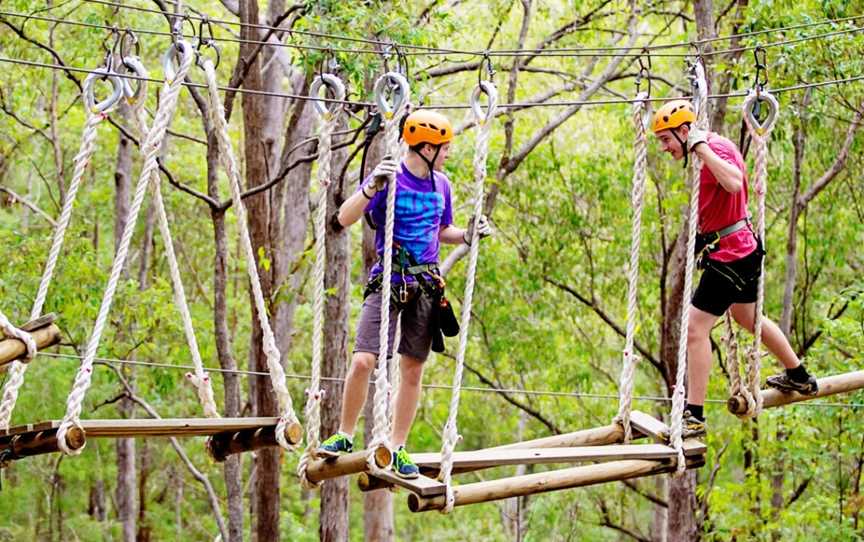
point(403, 466)
point(335, 446)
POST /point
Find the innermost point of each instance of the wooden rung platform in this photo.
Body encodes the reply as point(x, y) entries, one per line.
point(422, 486)
point(149, 427)
point(830, 385)
point(44, 332)
point(482, 459)
point(542, 482)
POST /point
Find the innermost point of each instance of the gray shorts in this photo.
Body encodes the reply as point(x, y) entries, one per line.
point(417, 317)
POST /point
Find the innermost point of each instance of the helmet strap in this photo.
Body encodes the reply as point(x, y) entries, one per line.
point(683, 146)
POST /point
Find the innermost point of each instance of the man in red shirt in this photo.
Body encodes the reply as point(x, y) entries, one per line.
point(730, 255)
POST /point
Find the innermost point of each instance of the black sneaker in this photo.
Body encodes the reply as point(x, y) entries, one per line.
point(693, 427)
point(335, 446)
point(785, 384)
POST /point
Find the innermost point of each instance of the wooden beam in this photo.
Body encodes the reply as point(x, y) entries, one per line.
point(649, 426)
point(324, 468)
point(422, 486)
point(222, 445)
point(530, 484)
point(153, 427)
point(44, 332)
point(483, 459)
point(831, 385)
point(607, 434)
point(38, 443)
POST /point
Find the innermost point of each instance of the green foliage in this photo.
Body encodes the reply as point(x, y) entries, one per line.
point(563, 225)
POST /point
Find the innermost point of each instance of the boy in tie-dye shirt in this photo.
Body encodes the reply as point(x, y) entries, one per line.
point(423, 220)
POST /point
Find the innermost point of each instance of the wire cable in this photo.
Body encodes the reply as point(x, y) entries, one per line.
point(422, 49)
point(446, 387)
point(515, 105)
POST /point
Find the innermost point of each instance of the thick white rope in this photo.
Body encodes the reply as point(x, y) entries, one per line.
point(760, 135)
point(679, 394)
point(314, 393)
point(199, 378)
point(271, 351)
point(381, 422)
point(481, 151)
point(629, 357)
point(81, 161)
point(151, 145)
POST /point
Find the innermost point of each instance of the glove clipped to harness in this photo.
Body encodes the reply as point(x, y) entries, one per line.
point(444, 324)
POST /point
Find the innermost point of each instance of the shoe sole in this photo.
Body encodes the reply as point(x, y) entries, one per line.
point(784, 389)
point(407, 476)
point(327, 454)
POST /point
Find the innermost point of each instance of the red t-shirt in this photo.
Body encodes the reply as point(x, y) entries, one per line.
point(719, 208)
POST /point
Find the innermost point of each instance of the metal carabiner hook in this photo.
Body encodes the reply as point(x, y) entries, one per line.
point(760, 56)
point(485, 62)
point(206, 41)
point(112, 52)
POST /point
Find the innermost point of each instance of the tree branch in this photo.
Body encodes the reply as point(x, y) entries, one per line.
point(606, 318)
point(29, 204)
point(839, 162)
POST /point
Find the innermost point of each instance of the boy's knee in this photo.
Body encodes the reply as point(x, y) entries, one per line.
point(363, 362)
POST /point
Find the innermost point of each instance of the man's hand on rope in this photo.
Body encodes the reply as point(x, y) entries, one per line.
point(696, 137)
point(385, 169)
point(484, 229)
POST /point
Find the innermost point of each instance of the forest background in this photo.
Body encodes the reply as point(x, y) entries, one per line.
point(549, 306)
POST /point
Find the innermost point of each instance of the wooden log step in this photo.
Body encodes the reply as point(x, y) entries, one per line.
point(483, 459)
point(222, 445)
point(530, 484)
point(830, 385)
point(37, 443)
point(324, 468)
point(150, 427)
point(44, 332)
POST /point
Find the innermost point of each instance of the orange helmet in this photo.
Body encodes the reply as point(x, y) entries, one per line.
point(427, 127)
point(672, 115)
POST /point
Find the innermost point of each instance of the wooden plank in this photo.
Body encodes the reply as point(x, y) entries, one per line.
point(598, 436)
point(649, 425)
point(149, 427)
point(42, 321)
point(422, 486)
point(481, 459)
point(831, 385)
point(555, 480)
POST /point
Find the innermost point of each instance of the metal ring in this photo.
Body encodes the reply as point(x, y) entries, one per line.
point(335, 85)
point(181, 47)
point(762, 97)
point(108, 103)
point(488, 88)
point(400, 93)
point(136, 67)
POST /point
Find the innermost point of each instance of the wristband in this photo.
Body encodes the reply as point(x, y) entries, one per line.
point(365, 195)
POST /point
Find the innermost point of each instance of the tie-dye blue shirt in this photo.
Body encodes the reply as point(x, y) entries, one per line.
point(421, 212)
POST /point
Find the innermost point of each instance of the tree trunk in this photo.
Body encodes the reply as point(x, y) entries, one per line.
point(144, 529)
point(258, 149)
point(703, 10)
point(682, 508)
point(126, 481)
point(377, 505)
point(334, 493)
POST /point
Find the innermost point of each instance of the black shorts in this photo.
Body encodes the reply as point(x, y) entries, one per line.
point(725, 283)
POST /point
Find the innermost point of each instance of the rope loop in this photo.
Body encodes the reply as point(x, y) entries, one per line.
point(106, 105)
point(335, 86)
point(396, 86)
